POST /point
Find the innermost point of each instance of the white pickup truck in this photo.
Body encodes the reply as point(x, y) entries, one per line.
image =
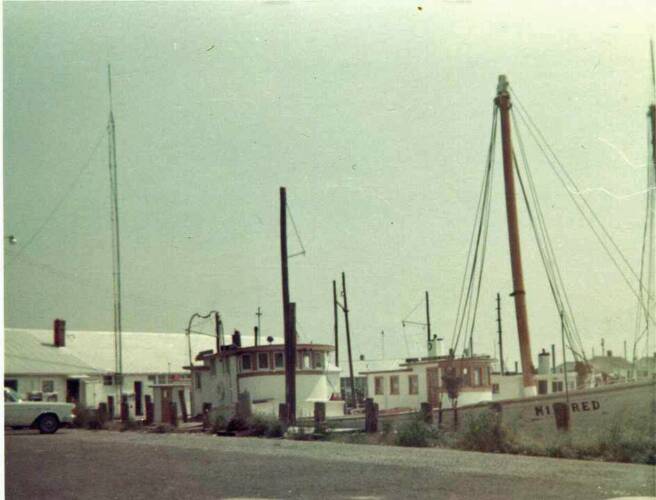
point(42, 415)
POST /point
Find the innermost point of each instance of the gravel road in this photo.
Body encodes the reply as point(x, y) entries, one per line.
point(130, 465)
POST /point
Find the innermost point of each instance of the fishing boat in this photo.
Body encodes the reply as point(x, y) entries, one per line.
point(441, 381)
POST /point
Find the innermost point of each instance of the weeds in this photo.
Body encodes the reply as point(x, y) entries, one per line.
point(485, 432)
point(414, 433)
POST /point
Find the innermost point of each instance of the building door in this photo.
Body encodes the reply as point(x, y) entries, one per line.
point(73, 390)
point(433, 383)
point(138, 396)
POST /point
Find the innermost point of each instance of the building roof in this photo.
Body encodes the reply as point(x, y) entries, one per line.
point(26, 353)
point(143, 352)
point(609, 364)
point(369, 365)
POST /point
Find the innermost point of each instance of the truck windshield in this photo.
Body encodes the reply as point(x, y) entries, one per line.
point(11, 396)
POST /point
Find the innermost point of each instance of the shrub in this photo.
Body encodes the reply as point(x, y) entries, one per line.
point(414, 433)
point(261, 425)
point(485, 432)
point(219, 424)
point(237, 424)
point(88, 419)
point(621, 446)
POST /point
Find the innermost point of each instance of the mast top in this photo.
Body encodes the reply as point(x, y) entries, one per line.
point(502, 86)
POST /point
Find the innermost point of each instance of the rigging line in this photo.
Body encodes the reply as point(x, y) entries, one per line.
point(523, 111)
point(467, 310)
point(587, 220)
point(471, 239)
point(483, 231)
point(413, 310)
point(60, 203)
point(405, 340)
point(298, 236)
point(541, 249)
point(551, 254)
point(653, 71)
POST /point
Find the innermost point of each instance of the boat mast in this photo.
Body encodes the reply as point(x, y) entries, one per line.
point(116, 247)
point(503, 103)
point(651, 184)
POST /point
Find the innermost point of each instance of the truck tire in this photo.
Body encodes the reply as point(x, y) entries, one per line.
point(48, 424)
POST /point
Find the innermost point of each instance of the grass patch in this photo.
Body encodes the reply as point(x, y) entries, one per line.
point(485, 432)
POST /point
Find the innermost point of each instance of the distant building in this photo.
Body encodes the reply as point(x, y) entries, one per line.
point(79, 366)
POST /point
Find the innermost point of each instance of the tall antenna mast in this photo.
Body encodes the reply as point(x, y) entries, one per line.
point(116, 241)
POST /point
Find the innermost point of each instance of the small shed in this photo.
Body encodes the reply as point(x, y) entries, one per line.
point(168, 396)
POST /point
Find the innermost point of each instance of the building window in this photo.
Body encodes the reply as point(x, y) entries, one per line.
point(279, 359)
point(317, 360)
point(477, 376)
point(379, 386)
point(47, 386)
point(107, 380)
point(394, 385)
point(246, 362)
point(263, 360)
point(495, 388)
point(151, 378)
point(413, 384)
point(198, 380)
point(543, 387)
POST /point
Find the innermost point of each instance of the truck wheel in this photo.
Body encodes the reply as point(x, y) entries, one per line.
point(48, 424)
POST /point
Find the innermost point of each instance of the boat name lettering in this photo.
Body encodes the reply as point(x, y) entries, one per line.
point(542, 410)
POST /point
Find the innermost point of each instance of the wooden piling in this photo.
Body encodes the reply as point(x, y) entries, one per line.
point(319, 417)
point(150, 409)
point(427, 413)
point(371, 415)
point(183, 405)
point(125, 409)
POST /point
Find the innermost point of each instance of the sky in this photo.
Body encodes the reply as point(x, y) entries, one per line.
point(375, 116)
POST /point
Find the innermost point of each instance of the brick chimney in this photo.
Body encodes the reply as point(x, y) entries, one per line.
point(59, 328)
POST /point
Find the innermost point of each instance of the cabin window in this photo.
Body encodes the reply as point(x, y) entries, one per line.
point(413, 384)
point(279, 359)
point(246, 362)
point(379, 386)
point(151, 378)
point(495, 388)
point(263, 360)
point(303, 360)
point(556, 387)
point(47, 386)
point(212, 367)
point(317, 360)
point(465, 377)
point(543, 387)
point(107, 380)
point(198, 380)
point(394, 385)
point(161, 379)
point(477, 376)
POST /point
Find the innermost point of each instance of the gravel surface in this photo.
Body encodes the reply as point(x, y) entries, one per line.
point(86, 464)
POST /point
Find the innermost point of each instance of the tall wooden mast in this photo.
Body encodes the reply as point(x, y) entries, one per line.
point(503, 102)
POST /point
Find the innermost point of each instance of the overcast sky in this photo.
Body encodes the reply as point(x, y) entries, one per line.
point(375, 115)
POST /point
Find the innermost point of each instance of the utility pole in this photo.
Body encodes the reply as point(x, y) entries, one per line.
point(348, 342)
point(503, 103)
point(428, 323)
point(500, 334)
point(290, 341)
point(259, 325)
point(335, 316)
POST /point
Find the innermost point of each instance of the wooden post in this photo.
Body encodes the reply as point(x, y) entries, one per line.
point(110, 407)
point(348, 344)
point(291, 404)
point(282, 413)
point(503, 368)
point(217, 332)
point(335, 316)
point(183, 404)
point(371, 415)
point(427, 413)
point(319, 416)
point(207, 407)
point(428, 323)
point(561, 413)
point(519, 294)
point(173, 413)
point(125, 409)
point(150, 410)
point(102, 412)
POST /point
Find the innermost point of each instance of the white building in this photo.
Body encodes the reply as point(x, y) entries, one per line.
point(421, 380)
point(80, 366)
point(260, 372)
